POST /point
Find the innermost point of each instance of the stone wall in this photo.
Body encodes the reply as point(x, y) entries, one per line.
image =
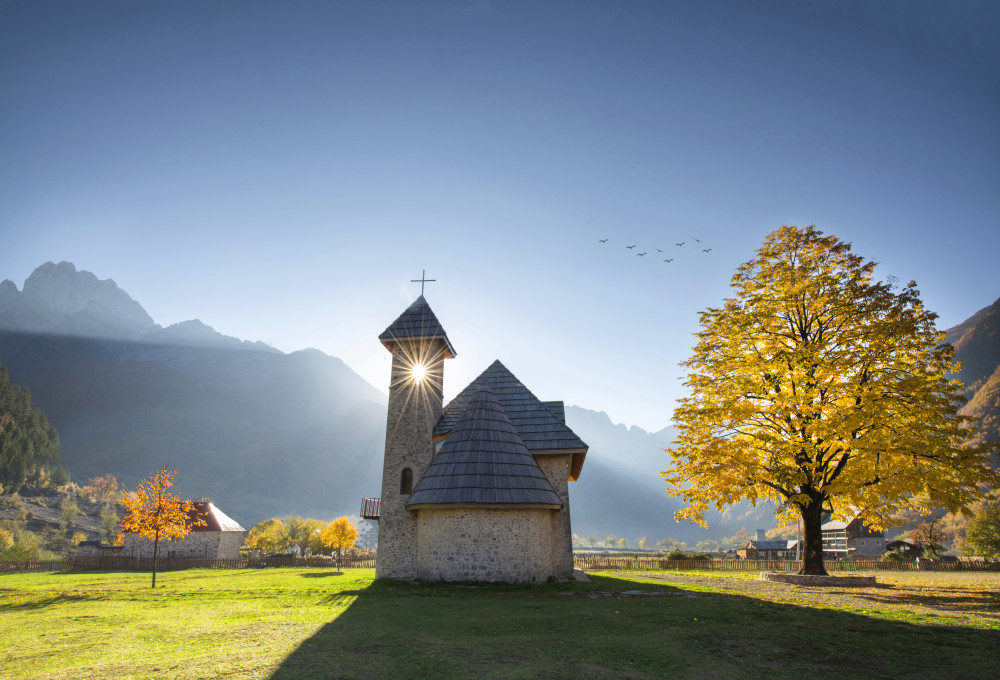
point(208, 544)
point(414, 408)
point(484, 544)
point(556, 469)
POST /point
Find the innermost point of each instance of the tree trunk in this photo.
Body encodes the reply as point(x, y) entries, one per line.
point(812, 548)
point(156, 547)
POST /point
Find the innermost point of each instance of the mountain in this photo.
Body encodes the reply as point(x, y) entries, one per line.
point(260, 432)
point(977, 345)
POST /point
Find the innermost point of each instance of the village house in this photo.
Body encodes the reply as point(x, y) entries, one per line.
point(762, 548)
point(848, 540)
point(477, 490)
point(219, 538)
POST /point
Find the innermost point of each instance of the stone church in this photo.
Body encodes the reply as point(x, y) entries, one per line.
point(477, 490)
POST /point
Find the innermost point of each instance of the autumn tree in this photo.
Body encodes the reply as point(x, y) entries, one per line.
point(339, 535)
point(982, 533)
point(820, 389)
point(304, 533)
point(268, 536)
point(152, 512)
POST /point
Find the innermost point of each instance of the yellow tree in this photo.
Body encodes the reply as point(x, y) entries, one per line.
point(152, 512)
point(268, 536)
point(339, 535)
point(820, 389)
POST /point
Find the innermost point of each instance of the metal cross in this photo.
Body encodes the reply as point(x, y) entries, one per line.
point(423, 279)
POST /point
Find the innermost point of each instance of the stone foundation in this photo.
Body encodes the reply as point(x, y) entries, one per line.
point(486, 545)
point(807, 580)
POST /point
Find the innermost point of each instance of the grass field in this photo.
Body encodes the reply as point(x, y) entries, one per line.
point(310, 623)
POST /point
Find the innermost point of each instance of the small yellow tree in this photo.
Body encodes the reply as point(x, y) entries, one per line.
point(152, 512)
point(339, 535)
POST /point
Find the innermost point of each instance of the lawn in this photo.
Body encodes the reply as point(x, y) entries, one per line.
point(312, 623)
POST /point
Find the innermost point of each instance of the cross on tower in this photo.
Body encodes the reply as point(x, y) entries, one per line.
point(423, 279)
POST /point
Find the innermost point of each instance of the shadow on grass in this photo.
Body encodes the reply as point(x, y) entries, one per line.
point(321, 574)
point(617, 628)
point(49, 601)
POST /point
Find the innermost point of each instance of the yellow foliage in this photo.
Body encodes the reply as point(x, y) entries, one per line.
point(816, 387)
point(154, 513)
point(339, 535)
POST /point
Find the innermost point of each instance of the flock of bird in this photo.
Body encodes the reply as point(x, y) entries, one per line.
point(604, 241)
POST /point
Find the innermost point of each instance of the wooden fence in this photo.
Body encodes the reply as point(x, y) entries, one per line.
point(617, 563)
point(124, 563)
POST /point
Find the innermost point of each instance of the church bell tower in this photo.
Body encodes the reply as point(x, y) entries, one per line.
point(419, 347)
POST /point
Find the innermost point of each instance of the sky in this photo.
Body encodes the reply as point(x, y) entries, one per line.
point(282, 170)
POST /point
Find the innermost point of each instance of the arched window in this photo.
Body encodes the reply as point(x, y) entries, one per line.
point(406, 481)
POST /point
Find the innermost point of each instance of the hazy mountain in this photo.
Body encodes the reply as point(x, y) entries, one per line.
point(59, 300)
point(620, 490)
point(977, 346)
point(260, 432)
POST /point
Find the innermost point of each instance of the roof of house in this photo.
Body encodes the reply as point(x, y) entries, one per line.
point(418, 322)
point(541, 425)
point(215, 519)
point(768, 545)
point(484, 461)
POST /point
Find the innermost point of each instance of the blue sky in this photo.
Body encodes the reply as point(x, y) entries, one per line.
point(281, 170)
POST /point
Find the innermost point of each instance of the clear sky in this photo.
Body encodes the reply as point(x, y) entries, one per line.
point(281, 170)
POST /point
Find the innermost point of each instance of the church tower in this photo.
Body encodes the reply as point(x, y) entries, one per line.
point(419, 347)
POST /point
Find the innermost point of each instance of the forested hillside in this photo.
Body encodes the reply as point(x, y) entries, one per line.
point(29, 445)
point(977, 346)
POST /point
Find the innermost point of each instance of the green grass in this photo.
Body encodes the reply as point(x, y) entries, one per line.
point(310, 623)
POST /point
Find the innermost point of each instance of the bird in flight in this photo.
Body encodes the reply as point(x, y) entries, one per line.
point(706, 250)
point(658, 250)
point(697, 239)
point(679, 244)
point(670, 260)
point(640, 254)
point(603, 240)
point(629, 247)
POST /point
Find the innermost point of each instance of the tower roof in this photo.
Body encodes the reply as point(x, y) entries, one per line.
point(484, 462)
point(417, 323)
point(540, 424)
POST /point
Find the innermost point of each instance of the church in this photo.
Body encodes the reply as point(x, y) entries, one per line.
point(477, 490)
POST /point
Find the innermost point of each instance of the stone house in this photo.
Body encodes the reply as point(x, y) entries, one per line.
point(219, 538)
point(761, 548)
point(477, 490)
point(851, 539)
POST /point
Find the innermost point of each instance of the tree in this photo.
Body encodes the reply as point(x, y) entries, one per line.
point(737, 540)
point(820, 389)
point(671, 544)
point(304, 533)
point(339, 535)
point(29, 445)
point(268, 536)
point(152, 512)
point(982, 534)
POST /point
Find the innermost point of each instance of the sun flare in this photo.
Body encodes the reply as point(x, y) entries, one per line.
point(419, 372)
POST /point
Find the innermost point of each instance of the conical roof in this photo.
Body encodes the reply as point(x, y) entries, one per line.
point(418, 322)
point(539, 425)
point(484, 462)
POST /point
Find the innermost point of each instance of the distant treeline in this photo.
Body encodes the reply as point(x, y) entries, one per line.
point(29, 445)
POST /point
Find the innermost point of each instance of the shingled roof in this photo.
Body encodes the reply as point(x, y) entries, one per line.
point(484, 462)
point(417, 323)
point(540, 424)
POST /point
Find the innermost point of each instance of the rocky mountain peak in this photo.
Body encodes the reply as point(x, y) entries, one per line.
point(59, 299)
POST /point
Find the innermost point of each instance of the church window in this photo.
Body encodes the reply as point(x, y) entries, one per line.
point(406, 481)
